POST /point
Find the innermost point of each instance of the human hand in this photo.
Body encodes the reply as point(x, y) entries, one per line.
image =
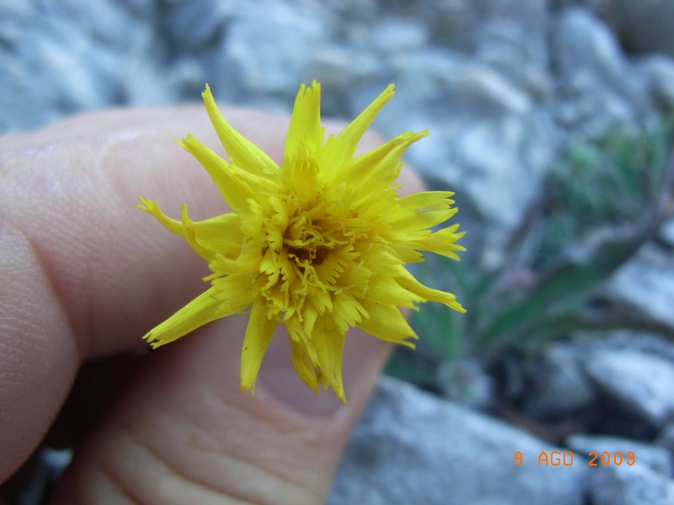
point(83, 275)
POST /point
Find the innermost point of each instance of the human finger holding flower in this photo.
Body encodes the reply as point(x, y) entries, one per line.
point(316, 243)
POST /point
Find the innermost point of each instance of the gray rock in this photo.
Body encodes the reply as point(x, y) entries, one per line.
point(516, 45)
point(667, 232)
point(560, 382)
point(628, 341)
point(397, 35)
point(597, 87)
point(411, 447)
point(659, 71)
point(656, 458)
point(665, 438)
point(70, 56)
point(643, 25)
point(268, 44)
point(645, 284)
point(641, 382)
point(337, 68)
point(625, 485)
point(197, 24)
point(465, 382)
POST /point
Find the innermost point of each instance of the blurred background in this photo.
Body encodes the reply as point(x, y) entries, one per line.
point(553, 122)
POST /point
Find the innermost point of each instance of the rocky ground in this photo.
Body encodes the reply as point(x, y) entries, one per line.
point(505, 87)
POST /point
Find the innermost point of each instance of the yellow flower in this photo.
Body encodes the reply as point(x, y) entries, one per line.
point(318, 243)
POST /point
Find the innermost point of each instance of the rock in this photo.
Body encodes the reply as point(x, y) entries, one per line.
point(643, 25)
point(516, 45)
point(625, 485)
point(659, 71)
point(268, 44)
point(665, 438)
point(195, 25)
point(626, 340)
point(597, 88)
point(667, 232)
point(644, 284)
point(466, 383)
point(396, 35)
point(411, 447)
point(655, 458)
point(560, 383)
point(71, 56)
point(641, 382)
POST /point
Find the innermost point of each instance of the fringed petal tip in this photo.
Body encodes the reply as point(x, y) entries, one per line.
point(146, 205)
point(206, 93)
point(151, 339)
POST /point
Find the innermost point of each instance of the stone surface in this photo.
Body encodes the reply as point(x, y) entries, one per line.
point(411, 447)
point(659, 71)
point(560, 383)
point(465, 383)
point(656, 458)
point(643, 25)
point(641, 382)
point(646, 283)
point(625, 485)
point(596, 85)
point(667, 232)
point(665, 438)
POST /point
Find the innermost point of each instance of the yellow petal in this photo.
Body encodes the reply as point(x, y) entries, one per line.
point(356, 128)
point(422, 210)
point(333, 157)
point(379, 167)
point(443, 242)
point(205, 308)
point(387, 323)
point(305, 121)
point(241, 151)
point(386, 290)
point(152, 207)
point(328, 341)
point(217, 234)
point(234, 190)
point(259, 332)
point(408, 282)
point(347, 311)
point(221, 234)
point(301, 352)
point(190, 236)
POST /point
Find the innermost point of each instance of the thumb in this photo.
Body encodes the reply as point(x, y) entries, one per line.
point(184, 433)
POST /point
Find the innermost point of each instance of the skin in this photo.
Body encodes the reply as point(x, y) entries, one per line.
point(83, 275)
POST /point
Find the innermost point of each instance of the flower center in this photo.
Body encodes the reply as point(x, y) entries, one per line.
point(307, 242)
point(315, 256)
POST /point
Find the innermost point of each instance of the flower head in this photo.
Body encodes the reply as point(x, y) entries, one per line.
point(318, 243)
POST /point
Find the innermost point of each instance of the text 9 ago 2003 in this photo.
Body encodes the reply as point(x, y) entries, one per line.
point(566, 458)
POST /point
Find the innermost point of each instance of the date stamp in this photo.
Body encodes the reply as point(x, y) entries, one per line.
point(567, 458)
